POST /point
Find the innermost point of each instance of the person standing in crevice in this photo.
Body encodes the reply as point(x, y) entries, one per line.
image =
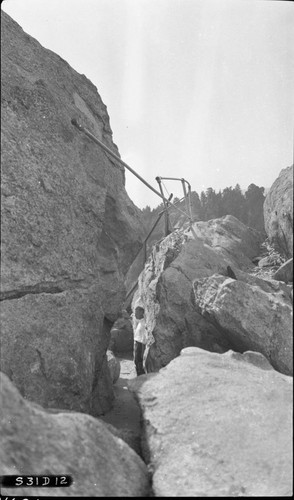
point(140, 339)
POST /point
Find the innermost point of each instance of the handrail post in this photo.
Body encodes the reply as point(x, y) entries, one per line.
point(190, 202)
point(166, 221)
point(144, 247)
point(188, 205)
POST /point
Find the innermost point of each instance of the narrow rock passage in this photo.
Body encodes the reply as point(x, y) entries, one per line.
point(125, 414)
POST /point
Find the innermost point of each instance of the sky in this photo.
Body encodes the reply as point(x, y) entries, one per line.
point(195, 89)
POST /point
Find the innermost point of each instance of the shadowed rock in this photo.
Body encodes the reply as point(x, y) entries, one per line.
point(285, 272)
point(113, 366)
point(39, 443)
point(278, 213)
point(231, 273)
point(121, 335)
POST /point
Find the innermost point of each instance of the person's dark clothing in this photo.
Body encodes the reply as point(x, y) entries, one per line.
point(139, 349)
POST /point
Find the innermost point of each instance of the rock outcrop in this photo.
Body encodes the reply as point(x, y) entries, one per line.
point(113, 366)
point(278, 213)
point(165, 285)
point(217, 425)
point(121, 334)
point(69, 230)
point(253, 315)
point(40, 443)
point(285, 272)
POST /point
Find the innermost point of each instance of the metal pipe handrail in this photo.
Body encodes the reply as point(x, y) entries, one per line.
point(150, 232)
point(155, 224)
point(108, 150)
point(144, 246)
point(131, 291)
point(166, 201)
point(153, 227)
point(175, 179)
point(166, 216)
point(186, 197)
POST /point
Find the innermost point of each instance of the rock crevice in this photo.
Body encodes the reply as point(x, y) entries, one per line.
point(45, 287)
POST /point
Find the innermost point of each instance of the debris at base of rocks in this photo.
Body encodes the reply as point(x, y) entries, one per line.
point(268, 263)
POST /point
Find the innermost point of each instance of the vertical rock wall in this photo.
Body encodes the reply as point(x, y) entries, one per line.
point(278, 213)
point(69, 231)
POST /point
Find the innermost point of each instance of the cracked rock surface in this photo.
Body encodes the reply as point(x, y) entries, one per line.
point(252, 317)
point(166, 285)
point(69, 230)
point(37, 442)
point(278, 213)
point(200, 288)
point(217, 425)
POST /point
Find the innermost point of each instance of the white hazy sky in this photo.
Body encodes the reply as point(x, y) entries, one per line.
point(200, 89)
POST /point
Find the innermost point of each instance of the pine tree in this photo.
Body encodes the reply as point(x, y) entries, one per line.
point(254, 205)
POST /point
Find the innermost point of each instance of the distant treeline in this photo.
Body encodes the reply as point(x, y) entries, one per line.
point(247, 207)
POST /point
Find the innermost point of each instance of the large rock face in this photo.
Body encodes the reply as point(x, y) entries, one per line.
point(278, 213)
point(122, 336)
point(217, 425)
point(40, 443)
point(165, 285)
point(52, 348)
point(69, 230)
point(252, 315)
